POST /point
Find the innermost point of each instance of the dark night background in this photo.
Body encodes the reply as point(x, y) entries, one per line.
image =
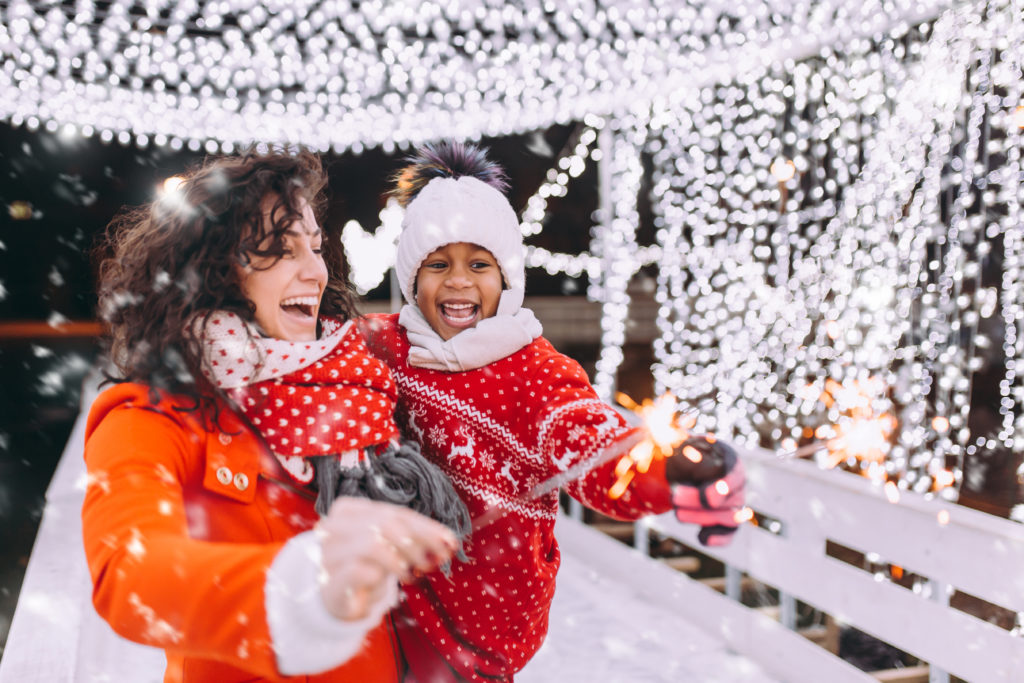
point(57, 195)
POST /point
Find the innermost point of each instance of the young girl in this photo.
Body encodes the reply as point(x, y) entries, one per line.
point(227, 309)
point(501, 412)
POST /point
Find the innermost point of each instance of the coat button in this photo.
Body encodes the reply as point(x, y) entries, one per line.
point(241, 482)
point(224, 475)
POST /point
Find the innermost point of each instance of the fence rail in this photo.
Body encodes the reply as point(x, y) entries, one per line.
point(946, 547)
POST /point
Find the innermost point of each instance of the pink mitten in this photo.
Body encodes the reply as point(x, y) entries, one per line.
point(713, 503)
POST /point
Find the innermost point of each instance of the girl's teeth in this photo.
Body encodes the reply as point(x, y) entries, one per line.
point(460, 312)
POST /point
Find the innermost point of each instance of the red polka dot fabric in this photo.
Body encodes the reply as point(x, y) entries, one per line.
point(324, 397)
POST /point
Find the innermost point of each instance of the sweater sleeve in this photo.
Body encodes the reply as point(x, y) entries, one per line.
point(156, 584)
point(577, 427)
point(151, 581)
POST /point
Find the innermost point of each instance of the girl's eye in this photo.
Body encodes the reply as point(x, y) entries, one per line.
point(435, 265)
point(480, 265)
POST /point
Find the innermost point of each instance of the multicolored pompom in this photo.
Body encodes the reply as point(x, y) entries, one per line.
point(445, 160)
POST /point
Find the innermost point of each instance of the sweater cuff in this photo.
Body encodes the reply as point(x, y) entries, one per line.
point(306, 638)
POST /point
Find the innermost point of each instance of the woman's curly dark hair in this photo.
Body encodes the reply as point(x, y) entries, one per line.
point(165, 265)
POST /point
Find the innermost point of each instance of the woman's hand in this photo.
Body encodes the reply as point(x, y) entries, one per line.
point(366, 544)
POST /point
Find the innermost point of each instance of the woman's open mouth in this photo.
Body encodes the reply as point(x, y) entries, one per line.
point(300, 306)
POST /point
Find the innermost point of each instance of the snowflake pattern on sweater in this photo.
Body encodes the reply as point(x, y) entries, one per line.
point(497, 432)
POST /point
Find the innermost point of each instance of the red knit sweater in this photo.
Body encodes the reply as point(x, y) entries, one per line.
point(497, 432)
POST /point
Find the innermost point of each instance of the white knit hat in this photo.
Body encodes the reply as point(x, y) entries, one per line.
point(449, 210)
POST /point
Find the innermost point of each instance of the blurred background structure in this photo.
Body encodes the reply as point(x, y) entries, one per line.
point(804, 217)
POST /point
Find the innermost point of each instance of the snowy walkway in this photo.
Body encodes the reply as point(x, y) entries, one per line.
point(604, 628)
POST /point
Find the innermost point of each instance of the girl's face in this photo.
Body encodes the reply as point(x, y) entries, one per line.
point(287, 292)
point(457, 286)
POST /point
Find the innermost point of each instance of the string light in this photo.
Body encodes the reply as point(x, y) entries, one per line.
point(829, 180)
point(783, 170)
point(352, 75)
point(19, 210)
point(172, 183)
point(759, 298)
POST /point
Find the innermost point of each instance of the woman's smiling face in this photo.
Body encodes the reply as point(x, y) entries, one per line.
point(457, 286)
point(287, 291)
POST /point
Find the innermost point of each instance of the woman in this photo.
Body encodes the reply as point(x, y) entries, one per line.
point(225, 301)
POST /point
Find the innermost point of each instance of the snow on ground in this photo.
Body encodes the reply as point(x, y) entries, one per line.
point(604, 631)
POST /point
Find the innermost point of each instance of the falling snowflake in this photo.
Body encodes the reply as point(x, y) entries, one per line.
point(136, 548)
point(161, 280)
point(158, 630)
point(56, 320)
point(41, 351)
point(68, 371)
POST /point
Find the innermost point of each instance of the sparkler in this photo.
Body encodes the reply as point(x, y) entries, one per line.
point(666, 430)
point(859, 434)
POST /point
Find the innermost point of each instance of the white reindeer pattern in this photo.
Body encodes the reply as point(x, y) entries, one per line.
point(415, 428)
point(506, 471)
point(463, 451)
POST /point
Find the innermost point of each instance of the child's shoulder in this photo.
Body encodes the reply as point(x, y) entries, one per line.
point(541, 355)
point(381, 332)
point(542, 349)
point(374, 325)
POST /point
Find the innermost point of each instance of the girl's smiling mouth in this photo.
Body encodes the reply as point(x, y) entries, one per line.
point(460, 314)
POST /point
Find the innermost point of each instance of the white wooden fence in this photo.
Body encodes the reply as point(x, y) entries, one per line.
point(950, 546)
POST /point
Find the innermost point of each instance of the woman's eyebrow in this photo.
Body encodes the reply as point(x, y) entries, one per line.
point(292, 230)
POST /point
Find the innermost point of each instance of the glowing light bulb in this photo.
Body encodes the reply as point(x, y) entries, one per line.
point(783, 170)
point(172, 184)
point(19, 210)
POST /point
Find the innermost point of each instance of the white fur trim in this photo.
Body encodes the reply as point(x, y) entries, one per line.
point(307, 638)
point(464, 210)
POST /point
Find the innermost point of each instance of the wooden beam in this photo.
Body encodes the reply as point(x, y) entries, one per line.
point(617, 530)
point(38, 329)
point(686, 563)
point(907, 674)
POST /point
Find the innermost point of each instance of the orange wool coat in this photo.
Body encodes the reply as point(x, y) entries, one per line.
point(180, 527)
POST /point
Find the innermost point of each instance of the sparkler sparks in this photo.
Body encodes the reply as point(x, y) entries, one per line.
point(859, 434)
point(665, 428)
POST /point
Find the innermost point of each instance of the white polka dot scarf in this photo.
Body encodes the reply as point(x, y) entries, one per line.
point(328, 396)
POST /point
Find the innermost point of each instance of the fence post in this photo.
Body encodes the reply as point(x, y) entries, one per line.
point(733, 582)
point(642, 535)
point(940, 594)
